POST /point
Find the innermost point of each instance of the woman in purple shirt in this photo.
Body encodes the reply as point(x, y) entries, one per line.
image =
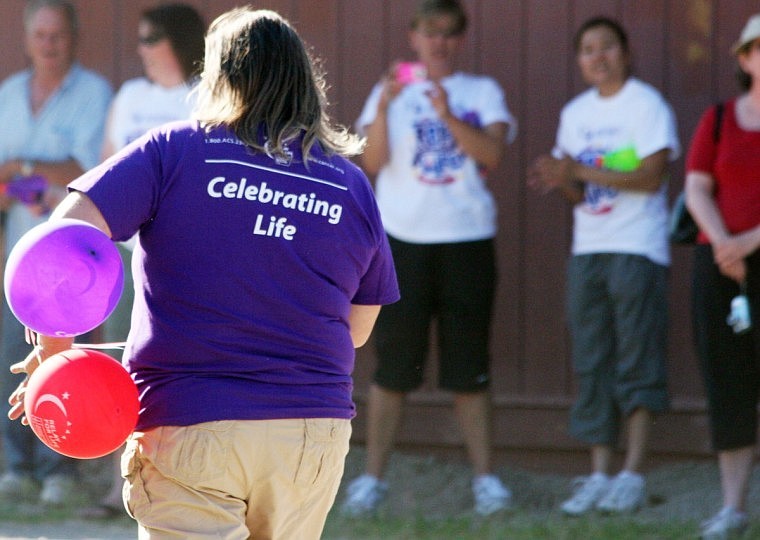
point(261, 263)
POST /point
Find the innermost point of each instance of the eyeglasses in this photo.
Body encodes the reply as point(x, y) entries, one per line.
point(151, 39)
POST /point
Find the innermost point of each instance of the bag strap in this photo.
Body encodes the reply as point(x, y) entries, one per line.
point(718, 121)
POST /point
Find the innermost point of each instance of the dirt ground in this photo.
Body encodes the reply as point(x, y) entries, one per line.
point(435, 488)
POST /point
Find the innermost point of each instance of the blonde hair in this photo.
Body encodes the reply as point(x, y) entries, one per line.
point(259, 80)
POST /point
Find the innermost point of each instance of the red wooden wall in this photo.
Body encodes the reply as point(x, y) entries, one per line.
point(680, 46)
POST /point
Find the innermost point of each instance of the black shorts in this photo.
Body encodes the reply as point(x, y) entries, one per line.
point(453, 285)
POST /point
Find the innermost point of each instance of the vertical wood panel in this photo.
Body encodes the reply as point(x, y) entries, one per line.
point(690, 58)
point(548, 65)
point(645, 22)
point(363, 53)
point(504, 62)
point(96, 47)
point(12, 37)
point(317, 24)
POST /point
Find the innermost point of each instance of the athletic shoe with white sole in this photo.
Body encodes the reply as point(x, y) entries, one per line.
point(364, 495)
point(625, 494)
point(728, 523)
point(587, 492)
point(490, 495)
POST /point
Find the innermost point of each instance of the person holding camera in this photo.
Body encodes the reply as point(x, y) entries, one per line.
point(433, 135)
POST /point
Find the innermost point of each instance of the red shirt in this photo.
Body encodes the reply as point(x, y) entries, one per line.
point(734, 163)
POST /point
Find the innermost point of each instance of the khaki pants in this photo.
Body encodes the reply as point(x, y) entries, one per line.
point(267, 479)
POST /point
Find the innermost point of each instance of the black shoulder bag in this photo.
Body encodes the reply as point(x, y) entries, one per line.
point(683, 229)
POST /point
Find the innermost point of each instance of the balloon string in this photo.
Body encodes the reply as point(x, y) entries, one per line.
point(117, 345)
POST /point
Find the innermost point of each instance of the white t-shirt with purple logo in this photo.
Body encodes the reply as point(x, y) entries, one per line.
point(245, 271)
point(140, 105)
point(430, 191)
point(638, 120)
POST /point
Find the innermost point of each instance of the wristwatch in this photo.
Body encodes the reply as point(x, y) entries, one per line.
point(27, 168)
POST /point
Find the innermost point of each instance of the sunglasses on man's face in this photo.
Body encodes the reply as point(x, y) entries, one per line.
point(151, 39)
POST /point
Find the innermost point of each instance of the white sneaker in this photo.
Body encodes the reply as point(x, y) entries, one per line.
point(625, 494)
point(587, 492)
point(364, 495)
point(57, 490)
point(490, 495)
point(14, 486)
point(728, 523)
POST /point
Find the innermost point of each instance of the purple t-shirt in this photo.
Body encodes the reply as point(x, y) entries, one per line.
point(245, 271)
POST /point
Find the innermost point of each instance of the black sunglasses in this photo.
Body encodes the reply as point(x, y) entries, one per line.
point(151, 39)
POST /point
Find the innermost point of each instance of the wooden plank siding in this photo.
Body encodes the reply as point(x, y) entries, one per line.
point(680, 46)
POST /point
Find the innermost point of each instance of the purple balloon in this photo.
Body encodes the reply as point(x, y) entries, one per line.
point(63, 278)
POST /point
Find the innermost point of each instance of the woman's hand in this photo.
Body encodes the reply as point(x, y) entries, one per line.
point(44, 348)
point(736, 270)
point(729, 251)
point(16, 399)
point(391, 87)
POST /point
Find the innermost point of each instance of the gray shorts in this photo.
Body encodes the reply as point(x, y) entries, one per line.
point(617, 313)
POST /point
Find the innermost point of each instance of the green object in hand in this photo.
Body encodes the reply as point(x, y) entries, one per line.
point(623, 160)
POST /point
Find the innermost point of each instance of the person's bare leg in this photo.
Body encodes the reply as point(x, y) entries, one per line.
point(601, 459)
point(638, 425)
point(473, 411)
point(735, 470)
point(383, 420)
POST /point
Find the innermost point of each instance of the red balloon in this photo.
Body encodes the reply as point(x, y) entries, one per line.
point(82, 403)
point(63, 278)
